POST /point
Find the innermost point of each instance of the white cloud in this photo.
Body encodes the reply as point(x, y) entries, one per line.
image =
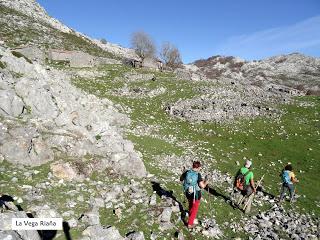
point(293, 38)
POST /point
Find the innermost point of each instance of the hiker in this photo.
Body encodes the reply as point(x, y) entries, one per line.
point(244, 179)
point(288, 180)
point(192, 184)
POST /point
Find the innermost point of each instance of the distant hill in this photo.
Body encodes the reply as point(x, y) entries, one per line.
point(293, 70)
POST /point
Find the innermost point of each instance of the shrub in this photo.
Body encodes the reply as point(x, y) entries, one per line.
point(3, 65)
point(311, 92)
point(170, 55)
point(300, 87)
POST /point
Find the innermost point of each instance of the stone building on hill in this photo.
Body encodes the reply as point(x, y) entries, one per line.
point(33, 53)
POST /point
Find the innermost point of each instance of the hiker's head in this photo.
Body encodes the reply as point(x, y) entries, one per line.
point(248, 164)
point(288, 167)
point(196, 165)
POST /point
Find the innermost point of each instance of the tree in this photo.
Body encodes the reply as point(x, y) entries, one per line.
point(143, 44)
point(103, 41)
point(170, 55)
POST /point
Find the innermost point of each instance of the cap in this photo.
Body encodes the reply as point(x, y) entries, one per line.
point(248, 164)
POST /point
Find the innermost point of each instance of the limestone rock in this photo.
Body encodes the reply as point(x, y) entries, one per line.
point(24, 145)
point(98, 232)
point(135, 236)
point(10, 103)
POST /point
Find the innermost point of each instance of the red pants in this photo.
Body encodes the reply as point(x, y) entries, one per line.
point(193, 210)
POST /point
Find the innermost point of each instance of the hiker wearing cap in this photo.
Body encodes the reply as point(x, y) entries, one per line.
point(244, 179)
point(192, 185)
point(288, 179)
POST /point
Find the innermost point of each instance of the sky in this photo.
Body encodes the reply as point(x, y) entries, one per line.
point(249, 29)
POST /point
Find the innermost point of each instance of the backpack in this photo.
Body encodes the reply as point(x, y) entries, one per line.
point(190, 183)
point(285, 176)
point(240, 180)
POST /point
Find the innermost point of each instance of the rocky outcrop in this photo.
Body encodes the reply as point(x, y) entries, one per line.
point(190, 72)
point(56, 115)
point(293, 70)
point(245, 89)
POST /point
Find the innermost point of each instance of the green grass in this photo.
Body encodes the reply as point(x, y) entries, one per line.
point(269, 142)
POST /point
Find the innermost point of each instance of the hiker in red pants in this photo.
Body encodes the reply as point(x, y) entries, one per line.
point(192, 184)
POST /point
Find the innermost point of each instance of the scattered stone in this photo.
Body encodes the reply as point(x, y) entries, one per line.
point(135, 236)
point(98, 232)
point(166, 215)
point(153, 200)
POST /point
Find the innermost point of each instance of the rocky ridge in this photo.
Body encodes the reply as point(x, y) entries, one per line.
point(246, 89)
point(55, 115)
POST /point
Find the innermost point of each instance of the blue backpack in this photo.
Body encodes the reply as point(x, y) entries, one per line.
point(286, 177)
point(190, 183)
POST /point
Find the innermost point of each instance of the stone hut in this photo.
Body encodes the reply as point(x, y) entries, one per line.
point(75, 58)
point(150, 63)
point(33, 53)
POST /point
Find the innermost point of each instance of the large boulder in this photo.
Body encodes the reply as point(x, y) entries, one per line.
point(125, 163)
point(67, 171)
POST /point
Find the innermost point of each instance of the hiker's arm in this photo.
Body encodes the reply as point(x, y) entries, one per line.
point(293, 178)
point(252, 184)
point(203, 184)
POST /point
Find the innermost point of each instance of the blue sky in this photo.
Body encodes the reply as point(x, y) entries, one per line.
point(250, 29)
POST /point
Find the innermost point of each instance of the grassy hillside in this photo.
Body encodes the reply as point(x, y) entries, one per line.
point(271, 143)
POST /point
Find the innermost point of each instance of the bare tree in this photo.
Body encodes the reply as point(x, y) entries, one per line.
point(170, 55)
point(103, 41)
point(143, 44)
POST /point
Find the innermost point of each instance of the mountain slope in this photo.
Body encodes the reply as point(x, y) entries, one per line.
point(25, 23)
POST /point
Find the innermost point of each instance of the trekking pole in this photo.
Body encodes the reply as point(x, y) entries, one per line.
point(209, 198)
point(252, 194)
point(294, 193)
